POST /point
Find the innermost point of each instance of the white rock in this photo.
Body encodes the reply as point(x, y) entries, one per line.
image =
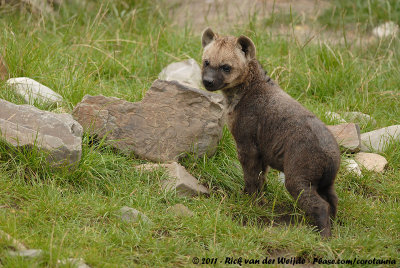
point(179, 179)
point(371, 161)
point(281, 177)
point(347, 136)
point(386, 29)
point(334, 117)
point(358, 117)
point(78, 263)
point(186, 72)
point(28, 253)
point(378, 139)
point(133, 215)
point(32, 90)
point(351, 166)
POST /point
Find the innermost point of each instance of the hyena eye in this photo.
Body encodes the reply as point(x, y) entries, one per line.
point(226, 68)
point(206, 63)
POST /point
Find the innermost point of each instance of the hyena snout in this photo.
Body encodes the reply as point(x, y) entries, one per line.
point(211, 80)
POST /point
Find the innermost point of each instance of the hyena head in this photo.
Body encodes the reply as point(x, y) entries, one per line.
point(225, 60)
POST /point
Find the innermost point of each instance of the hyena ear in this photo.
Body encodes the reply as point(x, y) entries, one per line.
point(208, 37)
point(247, 47)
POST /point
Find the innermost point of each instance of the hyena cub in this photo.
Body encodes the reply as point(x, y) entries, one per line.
point(271, 129)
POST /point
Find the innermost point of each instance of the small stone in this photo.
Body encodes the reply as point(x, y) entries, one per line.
point(133, 215)
point(348, 136)
point(78, 263)
point(352, 166)
point(180, 210)
point(13, 242)
point(33, 91)
point(3, 69)
point(360, 118)
point(371, 161)
point(179, 179)
point(379, 139)
point(25, 126)
point(186, 72)
point(335, 117)
point(27, 253)
point(386, 29)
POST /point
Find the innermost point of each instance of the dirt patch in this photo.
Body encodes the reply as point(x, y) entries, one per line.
point(222, 15)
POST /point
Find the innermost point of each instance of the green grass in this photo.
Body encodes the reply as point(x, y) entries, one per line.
point(118, 50)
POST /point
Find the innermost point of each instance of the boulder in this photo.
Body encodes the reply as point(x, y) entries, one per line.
point(180, 210)
point(3, 69)
point(179, 179)
point(186, 72)
point(170, 121)
point(378, 140)
point(358, 117)
point(32, 91)
point(371, 161)
point(133, 215)
point(347, 136)
point(27, 126)
point(351, 166)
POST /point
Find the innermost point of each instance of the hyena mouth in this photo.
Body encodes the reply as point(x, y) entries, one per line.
point(215, 88)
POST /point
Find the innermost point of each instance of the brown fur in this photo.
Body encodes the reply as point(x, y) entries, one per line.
point(272, 129)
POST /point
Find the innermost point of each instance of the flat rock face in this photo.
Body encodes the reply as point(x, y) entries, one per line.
point(57, 134)
point(347, 136)
point(3, 69)
point(179, 179)
point(170, 120)
point(371, 161)
point(32, 90)
point(378, 139)
point(186, 72)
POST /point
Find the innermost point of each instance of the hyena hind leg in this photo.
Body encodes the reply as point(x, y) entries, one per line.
point(330, 196)
point(315, 207)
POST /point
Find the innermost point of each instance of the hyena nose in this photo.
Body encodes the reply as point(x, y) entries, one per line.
point(208, 83)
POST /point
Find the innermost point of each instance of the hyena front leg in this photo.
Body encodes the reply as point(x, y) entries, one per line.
point(253, 170)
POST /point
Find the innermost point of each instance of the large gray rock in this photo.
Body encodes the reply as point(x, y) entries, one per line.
point(3, 69)
point(26, 126)
point(170, 120)
point(378, 140)
point(179, 179)
point(371, 161)
point(347, 136)
point(32, 91)
point(186, 72)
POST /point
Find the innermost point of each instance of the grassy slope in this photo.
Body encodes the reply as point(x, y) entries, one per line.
point(75, 214)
